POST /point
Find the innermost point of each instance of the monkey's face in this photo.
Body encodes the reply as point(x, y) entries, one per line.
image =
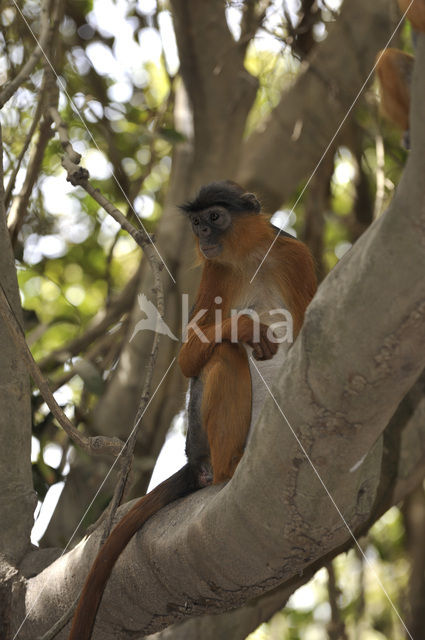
point(209, 226)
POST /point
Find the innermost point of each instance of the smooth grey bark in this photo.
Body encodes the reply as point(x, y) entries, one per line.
point(220, 89)
point(361, 349)
point(402, 469)
point(232, 625)
point(17, 499)
point(289, 144)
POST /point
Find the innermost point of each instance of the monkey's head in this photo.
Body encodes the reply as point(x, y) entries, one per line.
point(215, 211)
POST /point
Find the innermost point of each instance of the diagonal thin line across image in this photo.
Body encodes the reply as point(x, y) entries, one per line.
point(264, 258)
point(366, 559)
point(336, 133)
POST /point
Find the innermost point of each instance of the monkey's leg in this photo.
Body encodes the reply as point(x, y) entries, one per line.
point(226, 407)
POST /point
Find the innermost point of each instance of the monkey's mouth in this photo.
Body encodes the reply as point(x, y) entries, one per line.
point(210, 250)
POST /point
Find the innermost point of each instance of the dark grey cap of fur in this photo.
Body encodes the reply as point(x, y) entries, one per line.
point(227, 194)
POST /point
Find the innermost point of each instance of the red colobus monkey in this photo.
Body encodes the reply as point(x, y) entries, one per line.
point(233, 236)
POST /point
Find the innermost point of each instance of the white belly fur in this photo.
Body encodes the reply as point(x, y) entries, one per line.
point(269, 370)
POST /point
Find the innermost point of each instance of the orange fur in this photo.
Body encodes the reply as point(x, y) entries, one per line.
point(416, 13)
point(295, 276)
point(289, 264)
point(394, 72)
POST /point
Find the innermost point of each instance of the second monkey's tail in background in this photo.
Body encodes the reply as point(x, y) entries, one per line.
point(178, 485)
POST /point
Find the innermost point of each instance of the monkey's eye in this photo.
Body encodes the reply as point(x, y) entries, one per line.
point(214, 216)
point(195, 221)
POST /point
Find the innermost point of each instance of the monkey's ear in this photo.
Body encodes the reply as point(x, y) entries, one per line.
point(252, 203)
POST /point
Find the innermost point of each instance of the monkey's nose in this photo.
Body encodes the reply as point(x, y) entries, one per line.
point(204, 232)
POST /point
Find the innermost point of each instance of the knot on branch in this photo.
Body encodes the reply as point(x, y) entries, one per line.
point(74, 156)
point(142, 237)
point(77, 176)
point(100, 444)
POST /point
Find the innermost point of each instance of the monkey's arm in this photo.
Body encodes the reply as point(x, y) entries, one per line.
point(196, 352)
point(296, 277)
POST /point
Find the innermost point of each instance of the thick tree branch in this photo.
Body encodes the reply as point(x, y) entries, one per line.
point(237, 624)
point(361, 349)
point(220, 89)
point(287, 147)
point(17, 500)
point(402, 469)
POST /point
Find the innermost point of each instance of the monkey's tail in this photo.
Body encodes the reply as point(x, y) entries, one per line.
point(178, 485)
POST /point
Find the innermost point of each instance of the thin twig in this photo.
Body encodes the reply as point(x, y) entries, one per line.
point(29, 137)
point(94, 352)
point(96, 444)
point(96, 329)
point(253, 16)
point(336, 627)
point(46, 32)
point(380, 176)
point(19, 207)
point(18, 210)
point(79, 176)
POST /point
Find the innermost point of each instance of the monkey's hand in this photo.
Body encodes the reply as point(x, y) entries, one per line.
point(257, 336)
point(264, 349)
